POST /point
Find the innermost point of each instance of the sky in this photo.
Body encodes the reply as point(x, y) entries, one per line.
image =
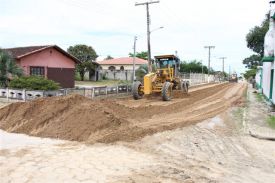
point(109, 26)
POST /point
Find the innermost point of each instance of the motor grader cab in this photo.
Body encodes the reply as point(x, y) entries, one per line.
point(233, 78)
point(163, 81)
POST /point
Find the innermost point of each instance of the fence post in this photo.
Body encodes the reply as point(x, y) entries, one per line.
point(24, 95)
point(106, 91)
point(93, 92)
point(7, 92)
point(117, 89)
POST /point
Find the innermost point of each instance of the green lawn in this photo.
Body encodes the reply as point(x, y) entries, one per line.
point(271, 121)
point(102, 83)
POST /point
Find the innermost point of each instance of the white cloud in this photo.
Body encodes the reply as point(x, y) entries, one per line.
point(110, 25)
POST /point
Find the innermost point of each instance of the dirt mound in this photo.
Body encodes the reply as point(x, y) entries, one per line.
point(108, 120)
point(72, 117)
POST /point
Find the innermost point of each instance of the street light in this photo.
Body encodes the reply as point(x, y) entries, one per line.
point(149, 48)
point(156, 29)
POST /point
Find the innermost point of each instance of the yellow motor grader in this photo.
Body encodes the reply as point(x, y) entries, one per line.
point(163, 81)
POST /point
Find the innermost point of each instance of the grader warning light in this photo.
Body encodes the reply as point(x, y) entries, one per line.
point(163, 81)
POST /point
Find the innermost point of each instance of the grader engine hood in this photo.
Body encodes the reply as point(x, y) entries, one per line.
point(148, 81)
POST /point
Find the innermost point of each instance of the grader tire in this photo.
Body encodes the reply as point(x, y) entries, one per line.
point(185, 87)
point(166, 91)
point(135, 90)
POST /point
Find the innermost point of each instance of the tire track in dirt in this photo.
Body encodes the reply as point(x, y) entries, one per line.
point(203, 153)
point(110, 120)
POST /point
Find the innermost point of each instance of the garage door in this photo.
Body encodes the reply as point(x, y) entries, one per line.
point(63, 76)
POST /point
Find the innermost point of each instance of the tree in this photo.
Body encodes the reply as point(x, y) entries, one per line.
point(8, 69)
point(86, 55)
point(253, 61)
point(193, 66)
point(251, 73)
point(255, 42)
point(109, 57)
point(142, 55)
point(255, 37)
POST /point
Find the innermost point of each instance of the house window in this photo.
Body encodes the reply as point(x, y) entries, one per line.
point(37, 71)
point(122, 68)
point(112, 68)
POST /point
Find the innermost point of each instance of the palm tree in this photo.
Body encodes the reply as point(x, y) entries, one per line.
point(8, 68)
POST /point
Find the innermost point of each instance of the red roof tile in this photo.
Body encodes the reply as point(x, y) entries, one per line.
point(123, 61)
point(20, 52)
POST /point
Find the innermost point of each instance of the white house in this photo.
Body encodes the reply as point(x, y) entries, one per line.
point(268, 76)
point(120, 68)
point(121, 64)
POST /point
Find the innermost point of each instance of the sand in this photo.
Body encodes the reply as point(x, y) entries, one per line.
point(77, 118)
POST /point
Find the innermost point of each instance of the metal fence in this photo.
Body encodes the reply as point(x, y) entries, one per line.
point(92, 92)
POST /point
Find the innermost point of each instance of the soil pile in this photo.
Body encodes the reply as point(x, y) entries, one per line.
point(108, 120)
point(72, 117)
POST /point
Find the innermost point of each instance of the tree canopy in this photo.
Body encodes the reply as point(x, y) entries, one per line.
point(8, 68)
point(83, 52)
point(109, 57)
point(193, 66)
point(142, 55)
point(255, 37)
point(255, 42)
point(86, 54)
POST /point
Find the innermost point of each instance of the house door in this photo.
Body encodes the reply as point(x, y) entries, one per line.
point(271, 84)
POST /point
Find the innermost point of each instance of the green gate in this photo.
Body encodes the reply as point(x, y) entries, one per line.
point(271, 83)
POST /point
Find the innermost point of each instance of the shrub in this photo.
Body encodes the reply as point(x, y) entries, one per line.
point(33, 83)
point(77, 76)
point(271, 121)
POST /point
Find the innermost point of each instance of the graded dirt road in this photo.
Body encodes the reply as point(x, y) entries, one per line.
point(165, 142)
point(110, 120)
point(215, 150)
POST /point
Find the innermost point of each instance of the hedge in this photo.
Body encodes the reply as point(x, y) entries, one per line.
point(33, 83)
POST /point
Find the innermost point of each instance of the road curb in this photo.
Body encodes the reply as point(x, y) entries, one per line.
point(261, 137)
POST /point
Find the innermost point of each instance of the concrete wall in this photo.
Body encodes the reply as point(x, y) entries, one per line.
point(268, 62)
point(273, 95)
point(258, 79)
point(117, 75)
point(266, 78)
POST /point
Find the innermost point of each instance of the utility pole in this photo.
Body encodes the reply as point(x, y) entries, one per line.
point(134, 59)
point(223, 58)
point(223, 74)
point(209, 57)
point(148, 32)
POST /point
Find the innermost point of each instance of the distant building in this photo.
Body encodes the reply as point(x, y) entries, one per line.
point(50, 62)
point(120, 68)
point(268, 76)
point(121, 64)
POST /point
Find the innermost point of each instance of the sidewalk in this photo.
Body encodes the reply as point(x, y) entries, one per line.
point(255, 117)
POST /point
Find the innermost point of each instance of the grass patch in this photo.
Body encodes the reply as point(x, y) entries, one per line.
point(237, 117)
point(271, 121)
point(102, 83)
point(259, 97)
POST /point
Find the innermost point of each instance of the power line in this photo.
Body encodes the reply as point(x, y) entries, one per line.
point(148, 31)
